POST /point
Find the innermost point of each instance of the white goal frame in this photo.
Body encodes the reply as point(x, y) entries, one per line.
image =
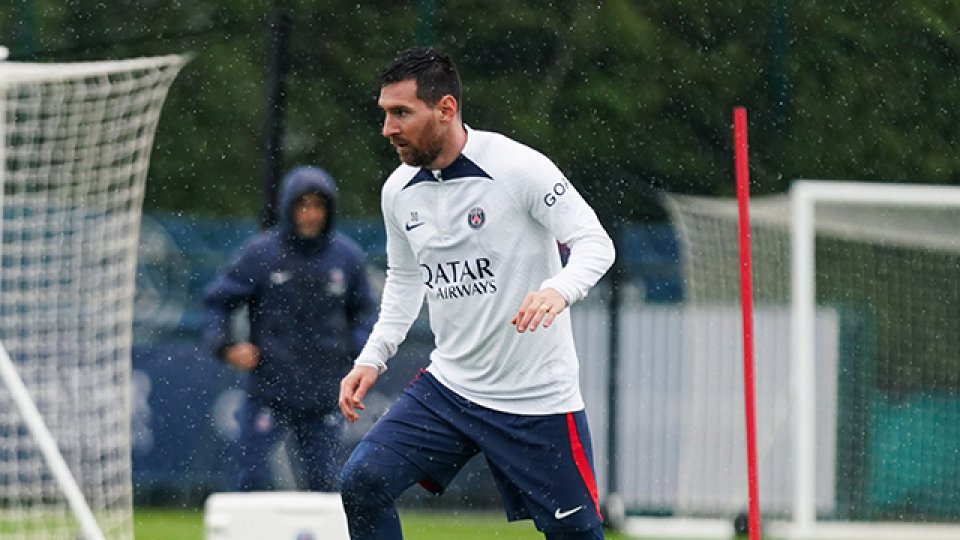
point(804, 196)
point(800, 496)
point(48, 447)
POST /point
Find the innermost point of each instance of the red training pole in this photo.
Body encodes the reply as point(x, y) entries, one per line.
point(746, 295)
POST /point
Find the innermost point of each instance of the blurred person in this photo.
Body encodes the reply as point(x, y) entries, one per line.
point(473, 219)
point(310, 309)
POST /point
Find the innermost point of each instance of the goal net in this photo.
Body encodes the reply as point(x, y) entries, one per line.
point(857, 306)
point(75, 142)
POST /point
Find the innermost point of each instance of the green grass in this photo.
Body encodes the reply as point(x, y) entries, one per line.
point(157, 524)
point(470, 526)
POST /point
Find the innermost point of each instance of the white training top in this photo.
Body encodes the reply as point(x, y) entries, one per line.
point(475, 238)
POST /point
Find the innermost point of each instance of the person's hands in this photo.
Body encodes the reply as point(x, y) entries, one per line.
point(243, 356)
point(538, 307)
point(353, 388)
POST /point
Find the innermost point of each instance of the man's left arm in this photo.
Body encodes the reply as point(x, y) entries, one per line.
point(560, 208)
point(574, 223)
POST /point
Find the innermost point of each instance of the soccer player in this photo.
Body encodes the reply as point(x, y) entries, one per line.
point(473, 219)
point(310, 309)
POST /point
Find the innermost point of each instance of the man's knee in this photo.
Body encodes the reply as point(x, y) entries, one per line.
point(369, 479)
point(360, 483)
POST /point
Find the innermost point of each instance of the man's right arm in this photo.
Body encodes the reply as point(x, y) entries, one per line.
point(230, 289)
point(403, 293)
point(399, 307)
point(353, 388)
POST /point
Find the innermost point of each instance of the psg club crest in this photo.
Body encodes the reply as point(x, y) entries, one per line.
point(476, 218)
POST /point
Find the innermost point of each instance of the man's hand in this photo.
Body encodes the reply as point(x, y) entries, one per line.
point(243, 356)
point(353, 388)
point(538, 307)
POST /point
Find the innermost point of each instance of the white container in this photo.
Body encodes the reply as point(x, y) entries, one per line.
point(274, 515)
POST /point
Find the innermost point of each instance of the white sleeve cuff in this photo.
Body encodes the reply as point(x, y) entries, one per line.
point(381, 366)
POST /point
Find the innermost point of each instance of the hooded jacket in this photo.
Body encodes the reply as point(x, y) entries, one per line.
point(310, 305)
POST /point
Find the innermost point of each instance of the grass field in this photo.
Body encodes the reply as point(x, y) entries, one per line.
point(156, 524)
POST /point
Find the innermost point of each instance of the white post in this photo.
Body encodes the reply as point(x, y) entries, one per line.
point(803, 363)
point(804, 195)
point(48, 446)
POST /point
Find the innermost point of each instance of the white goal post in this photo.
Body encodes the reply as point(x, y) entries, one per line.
point(805, 196)
point(75, 144)
point(857, 289)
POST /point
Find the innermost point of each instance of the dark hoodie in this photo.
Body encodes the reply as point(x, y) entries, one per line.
point(311, 307)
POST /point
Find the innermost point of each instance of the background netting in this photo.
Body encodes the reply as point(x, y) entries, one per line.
point(75, 142)
point(887, 358)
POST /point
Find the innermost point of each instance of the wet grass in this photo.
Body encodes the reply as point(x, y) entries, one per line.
point(164, 524)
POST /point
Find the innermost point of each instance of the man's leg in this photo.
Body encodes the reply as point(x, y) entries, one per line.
point(543, 467)
point(258, 434)
point(371, 480)
point(414, 442)
point(317, 448)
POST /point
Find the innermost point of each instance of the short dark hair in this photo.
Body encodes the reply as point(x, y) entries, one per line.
point(433, 70)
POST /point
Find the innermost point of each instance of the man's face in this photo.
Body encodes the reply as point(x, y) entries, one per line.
point(412, 126)
point(309, 215)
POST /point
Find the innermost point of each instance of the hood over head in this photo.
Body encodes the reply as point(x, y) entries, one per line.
point(298, 182)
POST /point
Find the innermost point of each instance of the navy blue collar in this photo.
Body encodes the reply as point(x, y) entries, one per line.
point(461, 167)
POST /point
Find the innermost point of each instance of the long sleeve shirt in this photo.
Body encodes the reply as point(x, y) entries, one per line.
point(473, 239)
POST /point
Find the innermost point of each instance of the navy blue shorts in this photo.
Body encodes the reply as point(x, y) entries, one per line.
point(542, 464)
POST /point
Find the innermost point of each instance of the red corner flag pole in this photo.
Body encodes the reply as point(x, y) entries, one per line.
point(746, 294)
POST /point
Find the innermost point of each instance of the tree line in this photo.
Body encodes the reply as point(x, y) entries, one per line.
point(629, 98)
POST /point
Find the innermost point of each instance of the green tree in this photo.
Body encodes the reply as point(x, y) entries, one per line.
point(627, 97)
